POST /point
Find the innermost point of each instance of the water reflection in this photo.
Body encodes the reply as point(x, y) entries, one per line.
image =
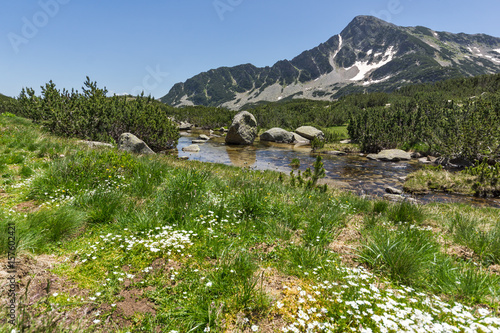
point(242, 156)
point(349, 172)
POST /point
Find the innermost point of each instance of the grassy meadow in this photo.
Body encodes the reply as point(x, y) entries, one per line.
point(109, 241)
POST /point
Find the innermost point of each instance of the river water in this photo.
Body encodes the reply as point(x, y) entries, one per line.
point(352, 172)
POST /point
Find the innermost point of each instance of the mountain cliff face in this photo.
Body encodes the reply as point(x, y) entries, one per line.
point(368, 55)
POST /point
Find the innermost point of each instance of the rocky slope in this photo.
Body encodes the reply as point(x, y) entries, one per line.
point(368, 55)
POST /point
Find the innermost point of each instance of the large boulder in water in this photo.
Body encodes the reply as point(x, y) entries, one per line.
point(194, 148)
point(300, 139)
point(310, 132)
point(277, 134)
point(132, 144)
point(390, 155)
point(243, 130)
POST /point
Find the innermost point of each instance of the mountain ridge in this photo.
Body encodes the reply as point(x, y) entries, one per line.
point(368, 55)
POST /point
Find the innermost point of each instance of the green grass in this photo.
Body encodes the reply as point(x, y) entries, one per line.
point(428, 180)
point(215, 246)
point(482, 238)
point(406, 212)
point(335, 133)
point(404, 253)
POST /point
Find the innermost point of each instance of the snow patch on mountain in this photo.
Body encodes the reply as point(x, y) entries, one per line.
point(364, 67)
point(338, 50)
point(367, 83)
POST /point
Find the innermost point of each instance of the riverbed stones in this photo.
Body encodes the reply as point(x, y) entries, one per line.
point(416, 155)
point(424, 160)
point(453, 163)
point(300, 139)
point(277, 134)
point(399, 198)
point(184, 126)
point(310, 132)
point(197, 141)
point(132, 144)
point(243, 130)
point(335, 153)
point(390, 155)
point(203, 137)
point(393, 190)
point(192, 148)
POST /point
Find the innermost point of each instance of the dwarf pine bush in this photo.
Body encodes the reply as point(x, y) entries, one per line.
point(91, 115)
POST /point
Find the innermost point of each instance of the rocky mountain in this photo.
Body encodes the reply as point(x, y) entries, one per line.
point(368, 55)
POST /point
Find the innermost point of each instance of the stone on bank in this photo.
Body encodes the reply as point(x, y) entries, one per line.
point(277, 134)
point(243, 130)
point(310, 132)
point(132, 144)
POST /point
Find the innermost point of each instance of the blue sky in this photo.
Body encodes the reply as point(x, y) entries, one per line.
point(128, 46)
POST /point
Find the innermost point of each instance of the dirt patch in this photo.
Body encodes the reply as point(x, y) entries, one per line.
point(37, 288)
point(494, 269)
point(27, 207)
point(461, 252)
point(133, 302)
point(35, 283)
point(30, 269)
point(273, 282)
point(263, 248)
point(348, 241)
point(161, 264)
point(265, 325)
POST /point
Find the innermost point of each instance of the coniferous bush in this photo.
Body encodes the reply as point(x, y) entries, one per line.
point(91, 115)
point(467, 130)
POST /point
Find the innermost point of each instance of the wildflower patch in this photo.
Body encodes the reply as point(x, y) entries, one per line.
point(104, 257)
point(360, 302)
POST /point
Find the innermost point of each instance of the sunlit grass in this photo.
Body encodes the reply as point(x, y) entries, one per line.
point(195, 239)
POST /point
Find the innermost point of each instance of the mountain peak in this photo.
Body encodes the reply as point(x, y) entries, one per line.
point(365, 24)
point(367, 19)
point(368, 55)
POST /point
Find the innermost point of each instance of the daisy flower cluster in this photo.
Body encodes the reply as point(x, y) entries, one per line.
point(358, 302)
point(163, 241)
point(345, 206)
point(214, 198)
point(111, 184)
point(63, 196)
point(302, 307)
point(13, 213)
point(215, 222)
point(24, 184)
point(59, 197)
